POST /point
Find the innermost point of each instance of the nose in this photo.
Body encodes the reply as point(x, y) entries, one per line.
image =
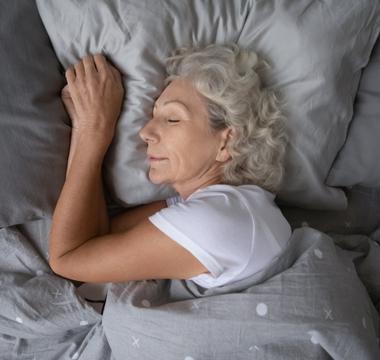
point(147, 134)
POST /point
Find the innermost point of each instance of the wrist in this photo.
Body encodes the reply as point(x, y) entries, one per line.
point(92, 139)
point(85, 153)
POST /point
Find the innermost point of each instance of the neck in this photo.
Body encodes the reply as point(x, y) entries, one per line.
point(185, 190)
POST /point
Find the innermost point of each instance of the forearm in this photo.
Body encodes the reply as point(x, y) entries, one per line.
point(81, 209)
point(73, 146)
point(103, 228)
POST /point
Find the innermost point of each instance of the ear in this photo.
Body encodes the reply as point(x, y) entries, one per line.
point(223, 154)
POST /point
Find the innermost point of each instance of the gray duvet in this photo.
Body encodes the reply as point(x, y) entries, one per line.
point(319, 300)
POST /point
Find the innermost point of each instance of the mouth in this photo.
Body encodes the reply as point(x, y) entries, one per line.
point(152, 158)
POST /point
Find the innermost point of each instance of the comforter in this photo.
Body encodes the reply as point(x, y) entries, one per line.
point(319, 299)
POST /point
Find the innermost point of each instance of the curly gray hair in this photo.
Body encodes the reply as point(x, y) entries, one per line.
point(229, 79)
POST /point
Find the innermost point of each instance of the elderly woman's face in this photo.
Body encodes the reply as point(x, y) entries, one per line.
point(179, 133)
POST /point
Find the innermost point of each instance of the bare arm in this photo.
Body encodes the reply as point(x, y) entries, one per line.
point(133, 216)
point(121, 222)
point(102, 220)
point(80, 214)
point(76, 217)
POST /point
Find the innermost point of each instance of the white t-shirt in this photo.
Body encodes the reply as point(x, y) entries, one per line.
point(234, 231)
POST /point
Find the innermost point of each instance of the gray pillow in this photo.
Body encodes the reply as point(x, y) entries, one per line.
point(358, 161)
point(35, 130)
point(317, 50)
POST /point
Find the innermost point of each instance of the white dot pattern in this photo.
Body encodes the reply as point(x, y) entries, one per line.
point(318, 253)
point(83, 323)
point(314, 337)
point(75, 356)
point(19, 320)
point(314, 340)
point(261, 309)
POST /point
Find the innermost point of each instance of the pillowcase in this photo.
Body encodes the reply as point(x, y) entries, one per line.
point(35, 130)
point(317, 50)
point(358, 161)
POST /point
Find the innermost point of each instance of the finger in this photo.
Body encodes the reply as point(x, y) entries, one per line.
point(70, 75)
point(69, 106)
point(115, 72)
point(101, 63)
point(79, 70)
point(65, 92)
point(89, 65)
point(71, 82)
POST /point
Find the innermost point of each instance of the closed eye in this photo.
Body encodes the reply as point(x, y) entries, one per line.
point(171, 120)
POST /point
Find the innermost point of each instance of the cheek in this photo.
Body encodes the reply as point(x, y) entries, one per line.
point(197, 154)
point(188, 149)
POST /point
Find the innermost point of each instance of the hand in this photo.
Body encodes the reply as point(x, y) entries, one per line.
point(93, 96)
point(69, 105)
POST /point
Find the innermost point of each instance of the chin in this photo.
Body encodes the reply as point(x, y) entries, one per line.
point(155, 180)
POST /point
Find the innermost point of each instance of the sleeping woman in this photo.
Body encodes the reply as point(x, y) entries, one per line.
point(216, 136)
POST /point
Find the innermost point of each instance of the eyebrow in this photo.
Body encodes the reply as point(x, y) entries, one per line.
point(174, 101)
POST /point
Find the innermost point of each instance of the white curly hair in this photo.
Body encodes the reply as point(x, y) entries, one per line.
point(230, 80)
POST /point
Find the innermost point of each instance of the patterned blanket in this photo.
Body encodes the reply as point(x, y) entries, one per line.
point(319, 300)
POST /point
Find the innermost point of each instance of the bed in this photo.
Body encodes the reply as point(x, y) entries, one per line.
point(320, 299)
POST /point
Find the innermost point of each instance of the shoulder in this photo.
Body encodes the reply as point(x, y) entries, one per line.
point(220, 201)
point(214, 224)
point(230, 201)
point(237, 193)
point(211, 216)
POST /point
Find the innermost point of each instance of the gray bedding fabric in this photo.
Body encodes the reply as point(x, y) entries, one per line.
point(362, 215)
point(34, 130)
point(317, 50)
point(319, 300)
point(358, 161)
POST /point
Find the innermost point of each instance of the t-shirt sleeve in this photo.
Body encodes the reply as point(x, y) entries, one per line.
point(204, 226)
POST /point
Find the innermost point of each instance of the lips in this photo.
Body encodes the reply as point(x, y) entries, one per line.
point(151, 157)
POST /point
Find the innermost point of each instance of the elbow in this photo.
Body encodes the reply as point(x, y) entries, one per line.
point(61, 267)
point(53, 266)
point(56, 266)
